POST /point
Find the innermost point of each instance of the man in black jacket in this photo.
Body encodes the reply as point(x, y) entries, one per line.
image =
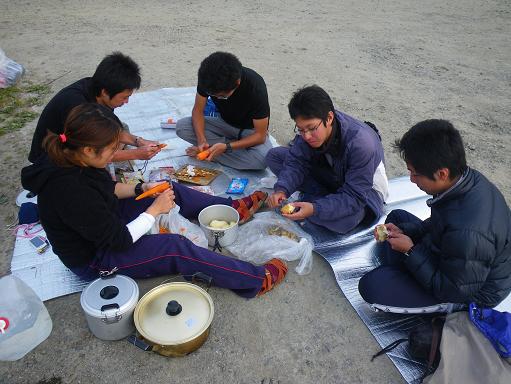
point(462, 252)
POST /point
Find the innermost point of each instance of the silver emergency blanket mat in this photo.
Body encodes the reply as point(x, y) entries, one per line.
point(350, 256)
point(354, 254)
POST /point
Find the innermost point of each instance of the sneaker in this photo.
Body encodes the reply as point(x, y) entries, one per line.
point(249, 205)
point(276, 270)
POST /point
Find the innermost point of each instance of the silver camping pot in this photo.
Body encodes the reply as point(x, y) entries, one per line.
point(109, 303)
point(173, 319)
point(218, 238)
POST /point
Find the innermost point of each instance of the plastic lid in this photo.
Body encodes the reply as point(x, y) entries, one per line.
point(174, 313)
point(118, 293)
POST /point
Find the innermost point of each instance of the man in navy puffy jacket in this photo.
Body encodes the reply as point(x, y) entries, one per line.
point(336, 161)
point(462, 252)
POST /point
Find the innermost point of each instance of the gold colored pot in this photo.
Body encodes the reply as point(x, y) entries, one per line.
point(174, 318)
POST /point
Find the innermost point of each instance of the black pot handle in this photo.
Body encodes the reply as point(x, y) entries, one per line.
point(133, 339)
point(200, 276)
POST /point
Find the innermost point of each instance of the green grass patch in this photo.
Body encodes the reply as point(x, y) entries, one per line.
point(16, 105)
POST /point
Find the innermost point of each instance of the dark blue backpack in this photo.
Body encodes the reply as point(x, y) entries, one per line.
point(495, 325)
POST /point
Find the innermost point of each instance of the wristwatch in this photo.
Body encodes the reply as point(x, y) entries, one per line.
point(409, 252)
point(138, 189)
point(228, 147)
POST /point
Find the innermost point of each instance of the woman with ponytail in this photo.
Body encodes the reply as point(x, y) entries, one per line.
point(95, 225)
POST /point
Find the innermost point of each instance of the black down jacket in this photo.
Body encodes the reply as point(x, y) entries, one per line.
point(463, 251)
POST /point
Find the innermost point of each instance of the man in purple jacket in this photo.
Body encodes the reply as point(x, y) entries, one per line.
point(336, 162)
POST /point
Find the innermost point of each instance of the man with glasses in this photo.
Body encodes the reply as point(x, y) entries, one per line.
point(238, 137)
point(336, 161)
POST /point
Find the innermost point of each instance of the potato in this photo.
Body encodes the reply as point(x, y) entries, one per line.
point(220, 224)
point(287, 209)
point(381, 233)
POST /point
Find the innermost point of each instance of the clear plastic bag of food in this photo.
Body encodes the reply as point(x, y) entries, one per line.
point(173, 222)
point(270, 235)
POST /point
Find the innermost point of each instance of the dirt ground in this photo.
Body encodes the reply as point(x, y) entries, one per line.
point(392, 63)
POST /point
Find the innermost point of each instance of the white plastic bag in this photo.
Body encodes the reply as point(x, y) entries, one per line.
point(174, 223)
point(10, 71)
point(24, 320)
point(255, 244)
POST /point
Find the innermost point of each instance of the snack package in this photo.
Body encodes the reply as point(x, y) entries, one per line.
point(161, 174)
point(237, 185)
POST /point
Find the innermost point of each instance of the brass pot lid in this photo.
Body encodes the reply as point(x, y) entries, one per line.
point(174, 313)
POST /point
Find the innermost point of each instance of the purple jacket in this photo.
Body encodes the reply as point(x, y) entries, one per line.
point(355, 151)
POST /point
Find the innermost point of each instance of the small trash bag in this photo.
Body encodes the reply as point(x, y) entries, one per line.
point(10, 71)
point(270, 235)
point(24, 320)
point(173, 222)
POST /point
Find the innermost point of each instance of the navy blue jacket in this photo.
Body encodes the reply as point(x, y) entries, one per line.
point(463, 251)
point(356, 151)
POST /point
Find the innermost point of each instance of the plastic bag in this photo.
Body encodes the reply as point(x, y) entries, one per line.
point(270, 235)
point(24, 320)
point(10, 71)
point(173, 222)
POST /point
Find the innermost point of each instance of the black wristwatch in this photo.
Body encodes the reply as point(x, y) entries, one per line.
point(228, 147)
point(138, 189)
point(408, 253)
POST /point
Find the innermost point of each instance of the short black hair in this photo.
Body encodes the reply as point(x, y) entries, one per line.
point(219, 72)
point(431, 145)
point(116, 73)
point(310, 102)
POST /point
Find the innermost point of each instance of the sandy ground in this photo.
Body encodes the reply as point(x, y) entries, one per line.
point(393, 63)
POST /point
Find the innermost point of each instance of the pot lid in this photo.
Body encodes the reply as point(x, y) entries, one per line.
point(117, 293)
point(174, 313)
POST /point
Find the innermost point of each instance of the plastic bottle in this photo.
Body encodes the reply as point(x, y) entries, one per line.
point(24, 320)
point(210, 108)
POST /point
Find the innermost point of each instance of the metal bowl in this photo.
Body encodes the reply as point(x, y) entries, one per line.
point(217, 236)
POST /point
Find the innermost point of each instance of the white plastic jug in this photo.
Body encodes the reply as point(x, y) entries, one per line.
point(24, 320)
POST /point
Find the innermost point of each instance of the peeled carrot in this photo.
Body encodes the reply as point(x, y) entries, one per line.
point(202, 155)
point(161, 146)
point(159, 188)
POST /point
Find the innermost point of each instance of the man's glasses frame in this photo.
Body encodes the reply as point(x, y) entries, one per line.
point(303, 132)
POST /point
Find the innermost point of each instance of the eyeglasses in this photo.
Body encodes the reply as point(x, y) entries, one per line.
point(224, 97)
point(219, 97)
point(303, 132)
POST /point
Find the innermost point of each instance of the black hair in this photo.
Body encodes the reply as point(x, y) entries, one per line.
point(431, 145)
point(219, 72)
point(87, 125)
point(116, 73)
point(310, 102)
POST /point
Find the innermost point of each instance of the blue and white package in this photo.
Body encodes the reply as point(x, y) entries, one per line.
point(237, 185)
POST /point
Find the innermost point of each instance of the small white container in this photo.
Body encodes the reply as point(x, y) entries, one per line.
point(109, 304)
point(219, 212)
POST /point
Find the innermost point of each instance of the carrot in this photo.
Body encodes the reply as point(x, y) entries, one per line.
point(202, 155)
point(159, 188)
point(161, 146)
